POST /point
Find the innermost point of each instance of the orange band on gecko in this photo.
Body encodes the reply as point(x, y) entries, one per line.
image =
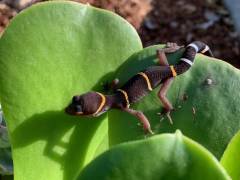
point(103, 102)
point(174, 73)
point(125, 96)
point(147, 80)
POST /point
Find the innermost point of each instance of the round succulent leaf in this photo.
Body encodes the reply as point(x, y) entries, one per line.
point(231, 159)
point(206, 100)
point(49, 53)
point(166, 156)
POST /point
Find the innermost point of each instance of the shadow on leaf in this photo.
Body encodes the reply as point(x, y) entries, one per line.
point(55, 127)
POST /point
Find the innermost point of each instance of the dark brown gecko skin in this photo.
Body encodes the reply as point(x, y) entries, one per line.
point(137, 86)
point(95, 103)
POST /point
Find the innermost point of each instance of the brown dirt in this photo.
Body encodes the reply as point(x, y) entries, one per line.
point(133, 11)
point(184, 21)
point(181, 21)
point(161, 21)
point(6, 13)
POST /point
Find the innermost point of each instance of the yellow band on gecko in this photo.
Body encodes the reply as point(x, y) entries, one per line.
point(125, 96)
point(147, 80)
point(103, 101)
point(174, 73)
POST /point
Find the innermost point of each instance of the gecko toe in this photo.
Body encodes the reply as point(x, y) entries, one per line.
point(167, 112)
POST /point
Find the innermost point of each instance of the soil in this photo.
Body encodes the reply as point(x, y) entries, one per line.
point(184, 21)
point(160, 21)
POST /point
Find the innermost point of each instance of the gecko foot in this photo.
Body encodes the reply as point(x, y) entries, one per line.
point(147, 130)
point(169, 117)
point(168, 49)
point(110, 86)
point(167, 112)
point(142, 118)
point(150, 131)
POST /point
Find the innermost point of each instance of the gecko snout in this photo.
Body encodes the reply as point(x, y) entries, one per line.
point(74, 109)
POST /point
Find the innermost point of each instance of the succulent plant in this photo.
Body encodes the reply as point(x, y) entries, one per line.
point(54, 50)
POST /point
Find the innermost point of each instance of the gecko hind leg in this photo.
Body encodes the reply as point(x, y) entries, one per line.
point(110, 87)
point(167, 83)
point(161, 53)
point(142, 118)
point(162, 96)
point(162, 59)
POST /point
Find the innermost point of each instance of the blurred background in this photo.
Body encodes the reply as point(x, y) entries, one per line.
point(215, 22)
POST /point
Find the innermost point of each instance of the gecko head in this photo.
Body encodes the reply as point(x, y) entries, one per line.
point(88, 104)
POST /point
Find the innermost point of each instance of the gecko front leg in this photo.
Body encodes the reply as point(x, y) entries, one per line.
point(141, 117)
point(114, 84)
point(111, 86)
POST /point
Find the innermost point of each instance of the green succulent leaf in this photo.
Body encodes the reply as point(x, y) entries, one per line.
point(166, 156)
point(231, 159)
point(206, 101)
point(49, 53)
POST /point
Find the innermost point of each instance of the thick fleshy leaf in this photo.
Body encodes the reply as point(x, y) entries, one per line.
point(206, 101)
point(49, 53)
point(166, 157)
point(231, 157)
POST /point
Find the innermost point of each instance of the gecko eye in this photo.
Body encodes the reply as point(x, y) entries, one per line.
point(75, 99)
point(78, 108)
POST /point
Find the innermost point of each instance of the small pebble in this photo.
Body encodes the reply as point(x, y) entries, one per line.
point(209, 81)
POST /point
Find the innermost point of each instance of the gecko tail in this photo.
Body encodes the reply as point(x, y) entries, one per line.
point(209, 53)
point(192, 49)
point(201, 47)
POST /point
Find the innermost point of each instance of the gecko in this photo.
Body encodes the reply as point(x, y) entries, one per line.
point(94, 104)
